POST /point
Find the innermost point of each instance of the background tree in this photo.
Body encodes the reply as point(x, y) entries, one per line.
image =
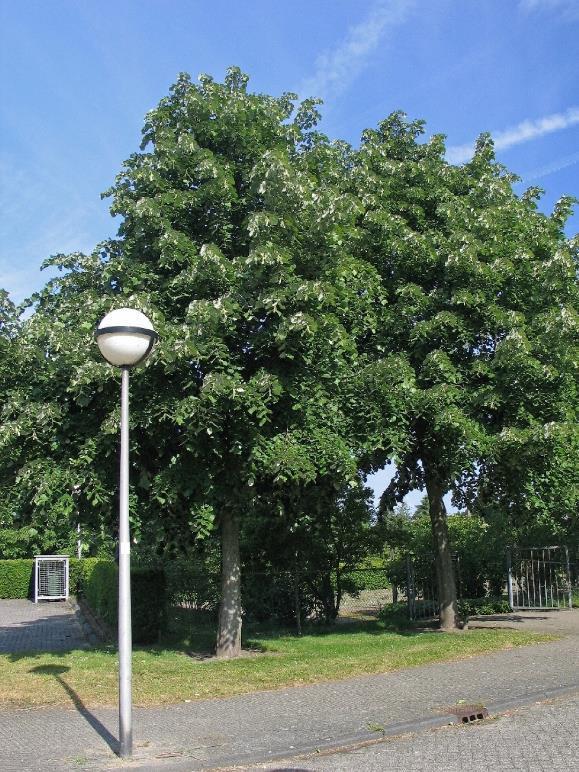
point(478, 281)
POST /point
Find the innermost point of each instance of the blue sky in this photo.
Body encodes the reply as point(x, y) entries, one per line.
point(76, 79)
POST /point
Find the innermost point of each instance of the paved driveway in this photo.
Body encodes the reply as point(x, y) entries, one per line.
point(558, 622)
point(42, 626)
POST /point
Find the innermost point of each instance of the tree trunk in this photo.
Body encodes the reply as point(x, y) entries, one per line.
point(443, 556)
point(229, 629)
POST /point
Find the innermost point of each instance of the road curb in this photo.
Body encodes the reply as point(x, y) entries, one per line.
point(415, 726)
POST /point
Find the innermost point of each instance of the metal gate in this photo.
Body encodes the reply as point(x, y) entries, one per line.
point(539, 578)
point(421, 586)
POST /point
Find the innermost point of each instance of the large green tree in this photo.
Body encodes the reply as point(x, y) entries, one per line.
point(321, 310)
point(231, 240)
point(482, 300)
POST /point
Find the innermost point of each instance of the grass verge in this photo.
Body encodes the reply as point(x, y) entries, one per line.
point(177, 671)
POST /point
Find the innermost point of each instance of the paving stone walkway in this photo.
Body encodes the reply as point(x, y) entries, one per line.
point(533, 738)
point(42, 626)
point(254, 728)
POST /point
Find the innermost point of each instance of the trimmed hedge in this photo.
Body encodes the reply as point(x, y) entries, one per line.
point(97, 581)
point(99, 588)
point(74, 575)
point(17, 578)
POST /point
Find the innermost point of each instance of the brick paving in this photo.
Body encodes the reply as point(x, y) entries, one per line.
point(254, 728)
point(537, 738)
point(42, 626)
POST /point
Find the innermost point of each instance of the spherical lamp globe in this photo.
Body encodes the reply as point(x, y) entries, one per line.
point(125, 337)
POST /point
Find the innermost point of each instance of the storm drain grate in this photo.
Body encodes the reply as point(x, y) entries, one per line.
point(467, 714)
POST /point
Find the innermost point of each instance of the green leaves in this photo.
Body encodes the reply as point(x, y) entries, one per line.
point(322, 310)
point(478, 281)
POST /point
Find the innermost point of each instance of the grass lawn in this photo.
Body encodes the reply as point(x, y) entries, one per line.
point(180, 670)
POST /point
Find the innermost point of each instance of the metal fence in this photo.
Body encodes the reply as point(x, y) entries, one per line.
point(421, 589)
point(534, 578)
point(539, 578)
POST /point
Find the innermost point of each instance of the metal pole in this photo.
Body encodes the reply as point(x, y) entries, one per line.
point(409, 587)
point(78, 542)
point(569, 583)
point(125, 635)
point(510, 579)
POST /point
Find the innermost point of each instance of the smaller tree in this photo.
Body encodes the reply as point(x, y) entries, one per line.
point(478, 283)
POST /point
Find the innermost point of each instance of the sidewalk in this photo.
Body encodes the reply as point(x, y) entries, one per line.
point(535, 738)
point(261, 727)
point(42, 626)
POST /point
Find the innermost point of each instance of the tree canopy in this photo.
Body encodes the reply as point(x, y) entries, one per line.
point(230, 241)
point(482, 300)
point(322, 310)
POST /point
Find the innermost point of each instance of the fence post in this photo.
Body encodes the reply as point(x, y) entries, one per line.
point(569, 583)
point(409, 587)
point(510, 578)
point(297, 601)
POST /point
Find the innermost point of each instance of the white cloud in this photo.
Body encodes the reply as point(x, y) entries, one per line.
point(568, 10)
point(42, 215)
point(556, 166)
point(516, 135)
point(337, 68)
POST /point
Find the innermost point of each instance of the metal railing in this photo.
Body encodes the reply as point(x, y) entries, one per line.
point(539, 578)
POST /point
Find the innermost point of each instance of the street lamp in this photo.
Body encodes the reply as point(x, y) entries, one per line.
point(125, 338)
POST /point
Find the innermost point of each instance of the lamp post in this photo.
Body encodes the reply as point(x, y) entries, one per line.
point(125, 338)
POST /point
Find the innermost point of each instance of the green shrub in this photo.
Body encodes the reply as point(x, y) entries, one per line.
point(99, 587)
point(394, 615)
point(17, 578)
point(271, 596)
point(148, 601)
point(369, 578)
point(475, 606)
point(190, 584)
point(74, 575)
point(19, 543)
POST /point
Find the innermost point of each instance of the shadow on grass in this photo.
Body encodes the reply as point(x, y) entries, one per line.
point(194, 633)
point(17, 656)
point(57, 671)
